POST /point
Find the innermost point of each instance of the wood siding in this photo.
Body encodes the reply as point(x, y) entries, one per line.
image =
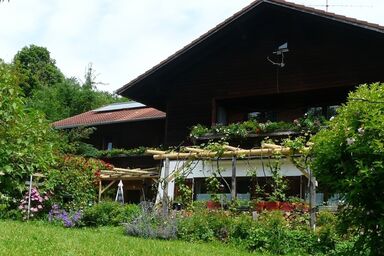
point(326, 59)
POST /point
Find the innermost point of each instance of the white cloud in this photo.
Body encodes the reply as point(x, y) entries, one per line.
point(124, 38)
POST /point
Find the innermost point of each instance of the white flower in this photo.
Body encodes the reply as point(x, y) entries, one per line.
point(360, 130)
point(350, 141)
point(332, 117)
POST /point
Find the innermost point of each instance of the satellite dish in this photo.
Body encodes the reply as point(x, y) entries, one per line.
point(280, 51)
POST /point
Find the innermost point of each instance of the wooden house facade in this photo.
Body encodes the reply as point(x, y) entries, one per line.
point(273, 57)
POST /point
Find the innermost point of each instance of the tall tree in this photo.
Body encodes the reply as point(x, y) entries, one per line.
point(37, 69)
point(70, 97)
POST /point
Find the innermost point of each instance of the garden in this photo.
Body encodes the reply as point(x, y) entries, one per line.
point(57, 211)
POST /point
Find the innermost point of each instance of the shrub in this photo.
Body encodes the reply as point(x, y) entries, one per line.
point(28, 143)
point(207, 225)
point(196, 227)
point(109, 214)
point(348, 157)
point(273, 234)
point(74, 181)
point(152, 224)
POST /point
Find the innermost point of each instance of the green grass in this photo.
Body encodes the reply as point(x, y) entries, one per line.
point(39, 238)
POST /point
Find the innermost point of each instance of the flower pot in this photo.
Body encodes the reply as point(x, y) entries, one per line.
point(260, 206)
point(287, 207)
point(271, 206)
point(212, 205)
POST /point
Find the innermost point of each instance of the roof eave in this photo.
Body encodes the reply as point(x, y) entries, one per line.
point(105, 123)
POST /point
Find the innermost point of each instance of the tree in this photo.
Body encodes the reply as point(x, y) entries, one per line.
point(69, 98)
point(36, 68)
point(27, 142)
point(348, 158)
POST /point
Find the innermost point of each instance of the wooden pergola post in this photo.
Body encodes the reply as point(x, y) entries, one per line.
point(312, 200)
point(100, 189)
point(165, 190)
point(233, 187)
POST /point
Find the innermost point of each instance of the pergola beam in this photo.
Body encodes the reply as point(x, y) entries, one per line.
point(211, 154)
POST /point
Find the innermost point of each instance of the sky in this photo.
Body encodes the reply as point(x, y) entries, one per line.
point(124, 38)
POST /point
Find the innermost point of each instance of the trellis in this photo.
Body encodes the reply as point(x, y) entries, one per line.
point(266, 150)
point(117, 174)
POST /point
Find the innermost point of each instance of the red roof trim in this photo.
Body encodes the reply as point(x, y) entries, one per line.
point(93, 118)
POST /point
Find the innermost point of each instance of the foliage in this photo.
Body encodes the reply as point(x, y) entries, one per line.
point(40, 238)
point(307, 124)
point(69, 98)
point(109, 213)
point(217, 147)
point(36, 68)
point(274, 234)
point(72, 141)
point(47, 90)
point(152, 224)
point(27, 142)
point(213, 186)
point(117, 151)
point(74, 181)
point(184, 192)
point(348, 157)
point(278, 184)
point(204, 225)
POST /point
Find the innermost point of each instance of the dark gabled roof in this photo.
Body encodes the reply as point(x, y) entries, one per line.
point(212, 32)
point(114, 113)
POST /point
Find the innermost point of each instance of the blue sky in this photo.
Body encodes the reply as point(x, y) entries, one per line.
point(124, 38)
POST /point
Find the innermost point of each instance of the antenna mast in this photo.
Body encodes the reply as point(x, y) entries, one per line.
point(327, 5)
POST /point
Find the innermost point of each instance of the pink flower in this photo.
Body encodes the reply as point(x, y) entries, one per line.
point(40, 206)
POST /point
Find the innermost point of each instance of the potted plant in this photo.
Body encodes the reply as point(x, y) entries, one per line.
point(213, 187)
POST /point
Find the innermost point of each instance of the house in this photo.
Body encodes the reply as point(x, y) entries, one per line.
point(273, 60)
point(124, 126)
point(120, 125)
point(225, 74)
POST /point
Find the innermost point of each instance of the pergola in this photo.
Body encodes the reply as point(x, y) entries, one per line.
point(125, 174)
point(195, 153)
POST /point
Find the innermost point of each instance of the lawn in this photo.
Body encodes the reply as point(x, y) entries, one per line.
point(38, 238)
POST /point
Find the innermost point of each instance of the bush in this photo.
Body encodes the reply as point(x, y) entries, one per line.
point(274, 234)
point(109, 214)
point(74, 181)
point(28, 143)
point(152, 224)
point(196, 227)
point(207, 225)
point(348, 157)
